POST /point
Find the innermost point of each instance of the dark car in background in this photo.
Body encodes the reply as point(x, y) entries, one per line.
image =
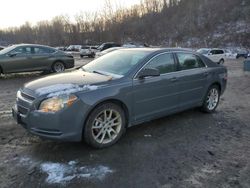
point(107, 45)
point(29, 57)
point(116, 91)
point(242, 54)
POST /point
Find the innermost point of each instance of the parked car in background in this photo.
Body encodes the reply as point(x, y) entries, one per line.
point(89, 51)
point(107, 45)
point(126, 87)
point(132, 45)
point(242, 53)
point(74, 48)
point(1, 48)
point(62, 48)
point(29, 57)
point(230, 54)
point(99, 54)
point(215, 54)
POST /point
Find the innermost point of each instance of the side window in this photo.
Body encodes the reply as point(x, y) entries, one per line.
point(213, 52)
point(220, 52)
point(164, 63)
point(22, 50)
point(189, 61)
point(40, 50)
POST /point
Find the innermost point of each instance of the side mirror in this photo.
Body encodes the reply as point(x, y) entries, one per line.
point(209, 53)
point(148, 72)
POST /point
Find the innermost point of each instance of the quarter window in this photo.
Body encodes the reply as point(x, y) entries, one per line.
point(189, 61)
point(164, 63)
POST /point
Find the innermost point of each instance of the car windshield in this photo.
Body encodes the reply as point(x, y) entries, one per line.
point(203, 51)
point(8, 49)
point(117, 63)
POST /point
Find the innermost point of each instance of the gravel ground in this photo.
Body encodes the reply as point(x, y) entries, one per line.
point(189, 149)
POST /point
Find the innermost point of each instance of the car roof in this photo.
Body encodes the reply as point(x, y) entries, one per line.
point(153, 50)
point(34, 45)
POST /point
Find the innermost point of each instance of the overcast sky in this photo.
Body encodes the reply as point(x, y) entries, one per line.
point(17, 12)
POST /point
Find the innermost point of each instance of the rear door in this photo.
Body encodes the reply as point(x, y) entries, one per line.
point(155, 96)
point(42, 58)
point(193, 79)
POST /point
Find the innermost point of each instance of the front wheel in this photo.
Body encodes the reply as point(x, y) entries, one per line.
point(105, 125)
point(212, 99)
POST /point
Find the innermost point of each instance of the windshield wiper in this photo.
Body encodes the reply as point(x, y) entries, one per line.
point(99, 72)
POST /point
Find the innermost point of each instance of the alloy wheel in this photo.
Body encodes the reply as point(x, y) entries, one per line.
point(58, 67)
point(212, 99)
point(106, 126)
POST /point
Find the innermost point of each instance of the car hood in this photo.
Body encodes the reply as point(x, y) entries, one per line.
point(67, 83)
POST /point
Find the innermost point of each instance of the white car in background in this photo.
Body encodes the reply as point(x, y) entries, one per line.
point(215, 54)
point(99, 54)
point(89, 51)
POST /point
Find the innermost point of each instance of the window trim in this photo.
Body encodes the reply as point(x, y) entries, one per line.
point(175, 63)
point(178, 63)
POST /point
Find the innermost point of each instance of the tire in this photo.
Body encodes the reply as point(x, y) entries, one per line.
point(1, 71)
point(99, 134)
point(58, 66)
point(221, 62)
point(210, 103)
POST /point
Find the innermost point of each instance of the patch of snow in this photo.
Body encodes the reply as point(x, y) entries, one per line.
point(62, 173)
point(64, 89)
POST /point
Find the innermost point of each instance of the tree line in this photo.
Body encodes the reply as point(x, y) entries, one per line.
point(186, 23)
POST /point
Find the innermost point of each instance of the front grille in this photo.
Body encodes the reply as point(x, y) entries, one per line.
point(28, 97)
point(22, 110)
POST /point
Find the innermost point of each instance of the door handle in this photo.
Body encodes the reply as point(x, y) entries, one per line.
point(174, 79)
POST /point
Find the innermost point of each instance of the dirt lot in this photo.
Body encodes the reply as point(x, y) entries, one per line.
point(189, 149)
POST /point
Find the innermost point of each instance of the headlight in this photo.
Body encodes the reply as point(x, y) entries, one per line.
point(55, 104)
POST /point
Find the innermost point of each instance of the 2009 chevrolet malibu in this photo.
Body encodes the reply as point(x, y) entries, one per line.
point(121, 89)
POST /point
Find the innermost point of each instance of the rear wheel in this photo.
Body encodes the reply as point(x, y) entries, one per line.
point(1, 71)
point(221, 61)
point(58, 67)
point(105, 125)
point(212, 99)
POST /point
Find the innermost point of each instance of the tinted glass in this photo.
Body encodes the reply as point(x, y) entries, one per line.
point(164, 63)
point(213, 52)
point(22, 50)
point(220, 52)
point(117, 63)
point(41, 50)
point(189, 61)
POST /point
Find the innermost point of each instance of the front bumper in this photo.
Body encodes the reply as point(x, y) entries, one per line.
point(65, 125)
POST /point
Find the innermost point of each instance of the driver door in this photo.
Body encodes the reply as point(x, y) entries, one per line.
point(156, 96)
point(19, 59)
